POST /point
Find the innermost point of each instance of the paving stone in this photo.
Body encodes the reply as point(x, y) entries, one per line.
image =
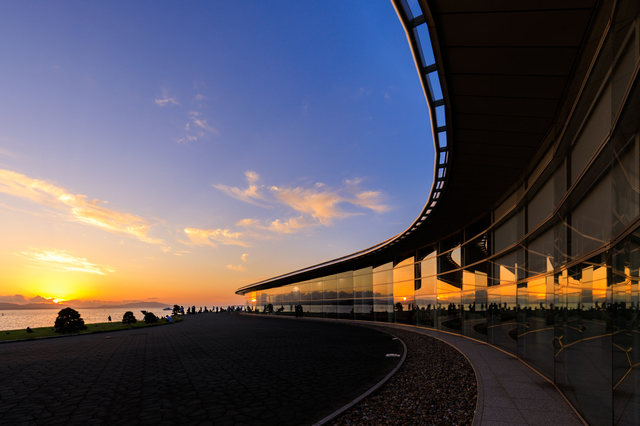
point(208, 369)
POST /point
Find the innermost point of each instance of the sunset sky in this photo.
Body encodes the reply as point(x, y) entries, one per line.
point(176, 151)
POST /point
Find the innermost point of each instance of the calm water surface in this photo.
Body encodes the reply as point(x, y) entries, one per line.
point(23, 318)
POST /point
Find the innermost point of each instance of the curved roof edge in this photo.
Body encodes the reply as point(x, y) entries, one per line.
point(435, 92)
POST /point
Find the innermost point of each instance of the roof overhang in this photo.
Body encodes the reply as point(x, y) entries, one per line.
point(508, 72)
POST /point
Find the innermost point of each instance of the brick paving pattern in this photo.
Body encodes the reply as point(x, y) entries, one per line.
point(216, 369)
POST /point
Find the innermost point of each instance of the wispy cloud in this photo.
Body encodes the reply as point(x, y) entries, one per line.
point(6, 153)
point(278, 226)
point(198, 97)
point(319, 203)
point(238, 267)
point(188, 138)
point(316, 205)
point(235, 267)
point(59, 260)
point(211, 237)
point(166, 100)
point(200, 122)
point(81, 209)
point(251, 194)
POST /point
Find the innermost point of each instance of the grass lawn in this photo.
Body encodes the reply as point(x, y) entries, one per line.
point(103, 327)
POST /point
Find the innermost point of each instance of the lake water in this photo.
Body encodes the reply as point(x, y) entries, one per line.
point(15, 319)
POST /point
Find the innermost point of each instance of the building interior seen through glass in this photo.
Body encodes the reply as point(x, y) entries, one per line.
point(551, 273)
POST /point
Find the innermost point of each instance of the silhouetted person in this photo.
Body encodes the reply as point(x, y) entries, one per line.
point(29, 330)
point(109, 318)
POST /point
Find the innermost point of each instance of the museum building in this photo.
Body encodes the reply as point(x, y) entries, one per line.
point(530, 237)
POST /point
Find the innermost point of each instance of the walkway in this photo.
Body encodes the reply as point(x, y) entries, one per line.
point(509, 392)
point(209, 369)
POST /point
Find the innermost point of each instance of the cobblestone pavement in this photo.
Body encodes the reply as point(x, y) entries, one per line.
point(212, 368)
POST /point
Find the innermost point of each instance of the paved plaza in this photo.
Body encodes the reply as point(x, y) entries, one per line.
point(222, 369)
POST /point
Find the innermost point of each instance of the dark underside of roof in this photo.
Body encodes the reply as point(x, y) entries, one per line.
point(508, 73)
point(506, 68)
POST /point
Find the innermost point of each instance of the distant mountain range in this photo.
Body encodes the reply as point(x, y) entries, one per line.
point(10, 306)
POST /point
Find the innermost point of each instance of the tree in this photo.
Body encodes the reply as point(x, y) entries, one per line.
point(150, 318)
point(129, 318)
point(176, 309)
point(69, 321)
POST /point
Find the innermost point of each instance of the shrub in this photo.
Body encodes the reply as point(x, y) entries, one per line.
point(69, 321)
point(129, 318)
point(176, 309)
point(150, 318)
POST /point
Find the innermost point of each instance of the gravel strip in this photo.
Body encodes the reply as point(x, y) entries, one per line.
point(435, 386)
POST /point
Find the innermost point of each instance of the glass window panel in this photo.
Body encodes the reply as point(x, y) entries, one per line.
point(427, 310)
point(345, 285)
point(305, 292)
point(559, 183)
point(315, 308)
point(429, 265)
point(346, 309)
point(330, 287)
point(583, 333)
point(508, 233)
point(626, 336)
point(363, 309)
point(414, 7)
point(591, 219)
point(316, 290)
point(509, 268)
point(536, 323)
point(622, 73)
point(442, 139)
point(509, 203)
point(449, 303)
point(540, 206)
point(539, 167)
point(363, 282)
point(440, 117)
point(403, 278)
point(626, 181)
point(476, 250)
point(592, 134)
point(425, 44)
point(383, 290)
point(501, 317)
point(330, 309)
point(474, 319)
point(434, 85)
point(383, 309)
point(541, 254)
point(383, 274)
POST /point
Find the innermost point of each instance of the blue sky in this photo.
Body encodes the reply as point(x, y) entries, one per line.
point(227, 142)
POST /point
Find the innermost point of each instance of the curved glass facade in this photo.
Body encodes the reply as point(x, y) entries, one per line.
point(551, 274)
